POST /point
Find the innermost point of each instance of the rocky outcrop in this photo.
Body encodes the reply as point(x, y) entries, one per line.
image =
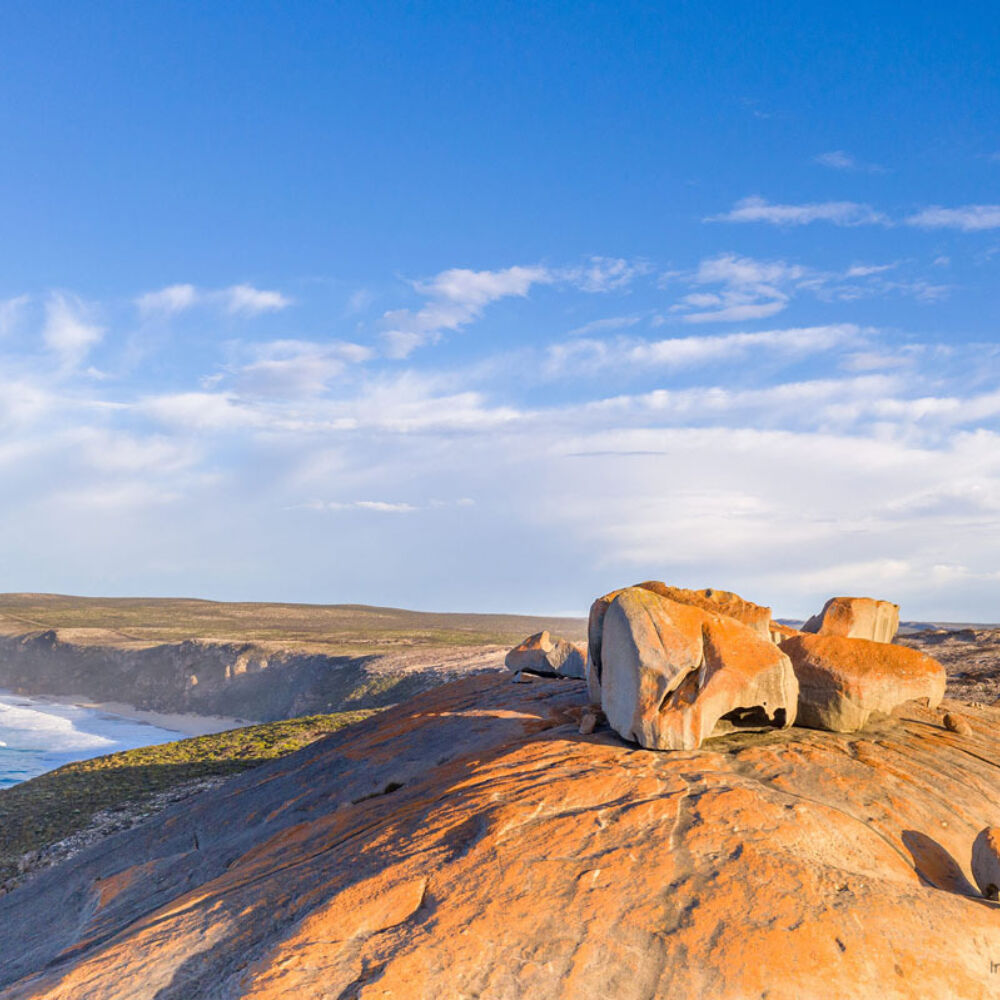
point(986, 861)
point(547, 656)
point(671, 672)
point(856, 618)
point(472, 843)
point(250, 681)
point(720, 602)
point(842, 682)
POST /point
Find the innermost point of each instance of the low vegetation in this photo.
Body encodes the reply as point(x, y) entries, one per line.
point(333, 629)
point(46, 810)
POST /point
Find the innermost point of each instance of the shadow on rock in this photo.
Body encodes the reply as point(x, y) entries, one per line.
point(936, 866)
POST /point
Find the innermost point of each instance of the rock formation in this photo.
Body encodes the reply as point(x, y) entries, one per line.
point(548, 656)
point(986, 861)
point(472, 843)
point(844, 681)
point(856, 618)
point(720, 602)
point(954, 723)
point(671, 671)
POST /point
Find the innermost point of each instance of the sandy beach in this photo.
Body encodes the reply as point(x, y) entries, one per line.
point(179, 722)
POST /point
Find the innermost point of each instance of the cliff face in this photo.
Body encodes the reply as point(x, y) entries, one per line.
point(243, 680)
point(471, 843)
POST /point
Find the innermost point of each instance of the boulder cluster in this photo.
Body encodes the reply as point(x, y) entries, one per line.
point(670, 667)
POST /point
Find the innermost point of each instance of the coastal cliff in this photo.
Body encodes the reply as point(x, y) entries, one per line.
point(240, 680)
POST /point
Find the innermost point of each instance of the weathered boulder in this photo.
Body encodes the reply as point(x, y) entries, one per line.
point(671, 672)
point(516, 859)
point(986, 861)
point(954, 723)
point(856, 618)
point(547, 655)
point(844, 681)
point(719, 602)
point(779, 632)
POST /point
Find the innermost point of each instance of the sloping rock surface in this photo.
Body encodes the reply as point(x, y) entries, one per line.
point(856, 618)
point(472, 844)
point(842, 682)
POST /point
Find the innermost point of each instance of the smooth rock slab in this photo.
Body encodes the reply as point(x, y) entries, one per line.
point(518, 860)
point(842, 681)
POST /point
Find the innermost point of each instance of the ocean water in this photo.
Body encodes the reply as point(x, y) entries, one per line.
point(37, 736)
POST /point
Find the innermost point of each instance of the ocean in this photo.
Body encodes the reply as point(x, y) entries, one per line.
point(37, 736)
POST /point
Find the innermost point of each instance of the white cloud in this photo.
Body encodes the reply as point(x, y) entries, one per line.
point(685, 352)
point(295, 368)
point(69, 331)
point(241, 299)
point(456, 298)
point(751, 289)
point(249, 301)
point(839, 213)
point(169, 300)
point(968, 218)
point(864, 270)
point(604, 274)
point(837, 159)
point(11, 311)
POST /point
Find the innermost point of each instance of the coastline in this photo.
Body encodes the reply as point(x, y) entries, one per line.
point(182, 723)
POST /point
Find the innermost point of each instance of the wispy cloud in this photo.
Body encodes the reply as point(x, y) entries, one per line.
point(242, 300)
point(588, 356)
point(750, 289)
point(295, 368)
point(69, 330)
point(967, 218)
point(838, 213)
point(837, 159)
point(11, 311)
point(455, 298)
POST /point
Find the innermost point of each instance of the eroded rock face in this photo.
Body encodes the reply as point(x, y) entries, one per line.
point(517, 859)
point(671, 671)
point(720, 602)
point(986, 861)
point(547, 655)
point(856, 618)
point(843, 681)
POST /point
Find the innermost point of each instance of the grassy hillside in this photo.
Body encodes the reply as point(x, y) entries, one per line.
point(340, 629)
point(45, 810)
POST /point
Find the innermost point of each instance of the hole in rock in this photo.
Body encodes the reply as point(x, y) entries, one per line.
point(754, 718)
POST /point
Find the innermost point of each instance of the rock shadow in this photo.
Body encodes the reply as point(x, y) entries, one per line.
point(936, 867)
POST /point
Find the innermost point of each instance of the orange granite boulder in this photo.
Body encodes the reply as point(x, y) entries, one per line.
point(856, 618)
point(548, 656)
point(673, 674)
point(719, 602)
point(843, 681)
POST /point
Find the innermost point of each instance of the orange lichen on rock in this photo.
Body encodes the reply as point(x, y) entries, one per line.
point(856, 618)
point(843, 681)
point(519, 862)
point(672, 671)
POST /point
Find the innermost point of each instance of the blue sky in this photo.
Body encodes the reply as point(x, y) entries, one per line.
point(496, 307)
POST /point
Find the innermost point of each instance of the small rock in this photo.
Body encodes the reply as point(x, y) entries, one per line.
point(588, 723)
point(956, 724)
point(986, 861)
point(520, 678)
